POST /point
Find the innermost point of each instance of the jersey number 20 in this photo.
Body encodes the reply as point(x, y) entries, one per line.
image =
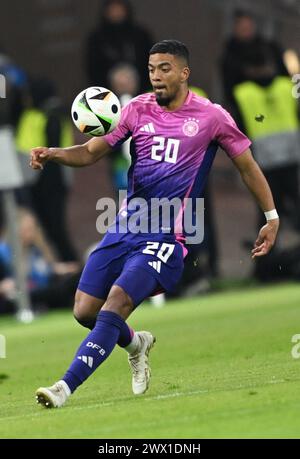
point(170, 150)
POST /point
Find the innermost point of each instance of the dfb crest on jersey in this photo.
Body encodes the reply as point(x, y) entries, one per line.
point(190, 127)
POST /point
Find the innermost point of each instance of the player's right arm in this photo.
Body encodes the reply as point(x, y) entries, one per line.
point(76, 156)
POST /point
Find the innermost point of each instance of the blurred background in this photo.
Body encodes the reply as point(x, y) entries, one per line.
point(241, 52)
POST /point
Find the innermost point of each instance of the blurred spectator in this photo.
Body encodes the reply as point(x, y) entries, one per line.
point(44, 123)
point(249, 56)
point(116, 39)
point(124, 82)
point(11, 106)
point(270, 119)
point(259, 91)
point(16, 81)
point(50, 284)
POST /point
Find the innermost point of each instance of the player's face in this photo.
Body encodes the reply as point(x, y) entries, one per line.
point(167, 74)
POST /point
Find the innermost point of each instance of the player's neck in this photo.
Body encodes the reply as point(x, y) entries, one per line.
point(179, 101)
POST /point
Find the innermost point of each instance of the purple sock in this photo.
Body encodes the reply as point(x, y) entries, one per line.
point(126, 333)
point(95, 348)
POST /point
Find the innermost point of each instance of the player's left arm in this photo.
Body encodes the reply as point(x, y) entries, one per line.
point(256, 182)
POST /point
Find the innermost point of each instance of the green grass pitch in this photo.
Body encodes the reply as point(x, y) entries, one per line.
point(221, 368)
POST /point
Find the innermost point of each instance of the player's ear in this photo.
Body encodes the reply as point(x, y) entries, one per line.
point(185, 73)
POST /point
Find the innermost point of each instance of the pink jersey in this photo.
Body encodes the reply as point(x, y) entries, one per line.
point(172, 152)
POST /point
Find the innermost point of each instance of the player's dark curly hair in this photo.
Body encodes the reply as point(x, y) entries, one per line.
point(175, 47)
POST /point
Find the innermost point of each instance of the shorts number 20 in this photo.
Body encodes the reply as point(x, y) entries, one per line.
point(163, 252)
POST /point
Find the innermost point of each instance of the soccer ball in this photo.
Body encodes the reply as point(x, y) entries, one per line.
point(96, 111)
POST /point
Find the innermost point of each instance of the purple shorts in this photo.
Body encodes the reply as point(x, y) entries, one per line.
point(141, 268)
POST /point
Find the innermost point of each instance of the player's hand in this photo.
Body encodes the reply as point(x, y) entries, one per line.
point(266, 238)
point(39, 156)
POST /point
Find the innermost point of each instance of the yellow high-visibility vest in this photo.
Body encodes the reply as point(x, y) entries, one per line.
point(31, 131)
point(267, 110)
point(198, 91)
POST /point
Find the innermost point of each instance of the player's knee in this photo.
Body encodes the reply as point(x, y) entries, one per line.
point(80, 314)
point(85, 321)
point(86, 308)
point(119, 302)
point(83, 315)
point(79, 311)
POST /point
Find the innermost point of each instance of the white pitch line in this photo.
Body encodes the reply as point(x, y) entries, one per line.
point(176, 394)
point(140, 399)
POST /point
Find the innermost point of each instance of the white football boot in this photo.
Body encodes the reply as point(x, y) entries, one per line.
point(139, 364)
point(54, 396)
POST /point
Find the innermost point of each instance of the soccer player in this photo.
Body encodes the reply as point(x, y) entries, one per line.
point(175, 135)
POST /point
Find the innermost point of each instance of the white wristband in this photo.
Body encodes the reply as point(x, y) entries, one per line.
point(271, 215)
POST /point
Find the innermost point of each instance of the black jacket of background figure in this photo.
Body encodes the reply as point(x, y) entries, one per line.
point(239, 56)
point(111, 44)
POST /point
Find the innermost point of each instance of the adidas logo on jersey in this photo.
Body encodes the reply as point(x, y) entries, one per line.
point(86, 359)
point(148, 128)
point(155, 265)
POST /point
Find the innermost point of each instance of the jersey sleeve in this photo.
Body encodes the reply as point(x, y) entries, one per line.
point(227, 134)
point(125, 127)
